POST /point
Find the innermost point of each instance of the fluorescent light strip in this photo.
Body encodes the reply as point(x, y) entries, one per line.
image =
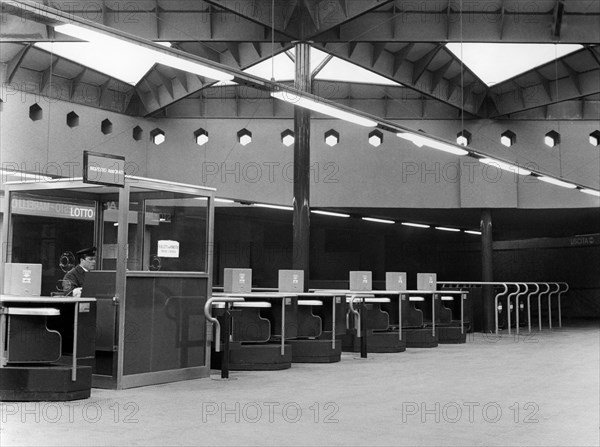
point(557, 182)
point(421, 140)
point(275, 207)
point(218, 199)
point(25, 175)
point(373, 219)
point(473, 232)
point(447, 229)
point(158, 56)
point(591, 192)
point(505, 166)
point(330, 213)
point(418, 225)
point(321, 107)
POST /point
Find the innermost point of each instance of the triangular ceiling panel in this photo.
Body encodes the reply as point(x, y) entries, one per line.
point(494, 63)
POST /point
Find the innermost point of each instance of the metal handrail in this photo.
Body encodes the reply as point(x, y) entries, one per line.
point(498, 295)
point(517, 294)
point(558, 287)
point(548, 288)
point(212, 320)
point(356, 314)
point(559, 296)
point(517, 308)
point(537, 289)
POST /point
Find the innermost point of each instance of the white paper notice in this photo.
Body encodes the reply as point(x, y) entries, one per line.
point(168, 249)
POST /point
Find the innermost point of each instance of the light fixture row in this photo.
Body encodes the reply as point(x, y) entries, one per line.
point(368, 219)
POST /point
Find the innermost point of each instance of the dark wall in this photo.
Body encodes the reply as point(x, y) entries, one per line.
point(262, 240)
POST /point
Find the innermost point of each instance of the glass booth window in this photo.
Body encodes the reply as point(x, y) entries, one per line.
point(45, 230)
point(166, 232)
point(175, 234)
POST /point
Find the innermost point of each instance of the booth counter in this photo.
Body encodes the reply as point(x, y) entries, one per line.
point(153, 272)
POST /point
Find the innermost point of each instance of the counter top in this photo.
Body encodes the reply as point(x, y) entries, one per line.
point(43, 299)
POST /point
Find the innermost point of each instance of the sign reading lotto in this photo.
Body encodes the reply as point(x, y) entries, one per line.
point(103, 169)
point(44, 208)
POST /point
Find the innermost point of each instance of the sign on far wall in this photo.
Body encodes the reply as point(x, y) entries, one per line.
point(103, 169)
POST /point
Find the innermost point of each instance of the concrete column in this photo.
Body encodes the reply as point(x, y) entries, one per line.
point(301, 218)
point(487, 270)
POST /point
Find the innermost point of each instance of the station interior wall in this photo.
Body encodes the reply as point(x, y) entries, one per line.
point(351, 175)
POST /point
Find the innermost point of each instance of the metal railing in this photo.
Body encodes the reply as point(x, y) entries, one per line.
point(518, 290)
point(210, 321)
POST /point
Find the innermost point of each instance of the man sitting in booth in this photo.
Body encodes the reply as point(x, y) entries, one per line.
point(74, 278)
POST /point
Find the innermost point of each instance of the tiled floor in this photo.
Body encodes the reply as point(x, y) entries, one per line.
point(541, 389)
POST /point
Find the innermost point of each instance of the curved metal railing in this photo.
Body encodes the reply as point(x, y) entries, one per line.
point(518, 290)
point(213, 321)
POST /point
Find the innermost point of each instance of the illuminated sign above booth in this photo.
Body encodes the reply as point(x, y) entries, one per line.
point(103, 169)
point(44, 208)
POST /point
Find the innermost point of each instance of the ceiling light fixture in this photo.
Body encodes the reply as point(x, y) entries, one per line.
point(373, 219)
point(421, 140)
point(317, 105)
point(330, 213)
point(417, 225)
point(505, 166)
point(557, 182)
point(447, 229)
point(595, 138)
point(591, 192)
point(275, 207)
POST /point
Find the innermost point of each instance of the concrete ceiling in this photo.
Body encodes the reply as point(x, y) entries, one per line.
point(401, 40)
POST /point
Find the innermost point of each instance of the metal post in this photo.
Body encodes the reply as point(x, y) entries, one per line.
point(226, 338)
point(363, 329)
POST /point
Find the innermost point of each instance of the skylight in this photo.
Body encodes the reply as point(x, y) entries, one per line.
point(120, 64)
point(130, 67)
point(335, 70)
point(496, 62)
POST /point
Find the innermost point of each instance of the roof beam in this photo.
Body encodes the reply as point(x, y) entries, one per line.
point(75, 82)
point(421, 65)
point(13, 65)
point(573, 75)
point(437, 75)
point(47, 75)
point(401, 55)
point(485, 21)
point(378, 49)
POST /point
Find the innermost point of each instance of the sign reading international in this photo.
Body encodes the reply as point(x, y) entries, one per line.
point(103, 169)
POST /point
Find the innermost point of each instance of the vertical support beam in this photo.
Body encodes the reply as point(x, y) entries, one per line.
point(120, 286)
point(487, 271)
point(301, 218)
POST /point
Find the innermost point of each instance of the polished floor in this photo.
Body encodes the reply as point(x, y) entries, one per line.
point(535, 390)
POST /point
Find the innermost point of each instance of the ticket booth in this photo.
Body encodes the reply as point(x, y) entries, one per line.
point(153, 270)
